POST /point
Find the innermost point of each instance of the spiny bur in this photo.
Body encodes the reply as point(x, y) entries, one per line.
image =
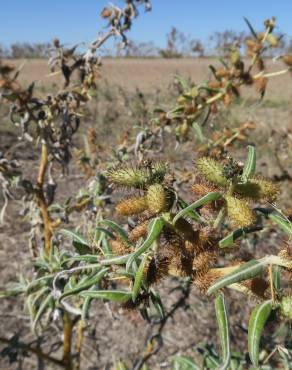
point(239, 212)
point(258, 189)
point(212, 171)
point(132, 206)
point(158, 198)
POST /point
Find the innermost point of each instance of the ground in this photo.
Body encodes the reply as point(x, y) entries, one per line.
point(126, 88)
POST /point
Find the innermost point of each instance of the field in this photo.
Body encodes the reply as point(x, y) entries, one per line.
point(128, 91)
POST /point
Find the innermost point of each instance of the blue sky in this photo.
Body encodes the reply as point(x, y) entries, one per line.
point(78, 20)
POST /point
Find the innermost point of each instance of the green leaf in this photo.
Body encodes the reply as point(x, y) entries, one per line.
point(191, 214)
point(87, 283)
point(116, 228)
point(154, 228)
point(184, 363)
point(230, 238)
point(222, 321)
point(258, 318)
point(80, 243)
point(119, 365)
point(119, 296)
point(183, 82)
point(283, 223)
point(198, 130)
point(42, 309)
point(139, 278)
point(250, 164)
point(204, 200)
point(244, 272)
point(253, 32)
point(157, 303)
point(118, 260)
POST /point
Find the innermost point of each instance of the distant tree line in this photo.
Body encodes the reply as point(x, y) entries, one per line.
point(178, 45)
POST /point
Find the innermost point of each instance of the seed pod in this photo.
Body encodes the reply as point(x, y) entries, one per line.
point(138, 231)
point(260, 64)
point(202, 189)
point(156, 269)
point(259, 189)
point(253, 46)
point(222, 73)
point(158, 198)
point(260, 85)
point(212, 171)
point(286, 307)
point(159, 170)
point(129, 176)
point(272, 40)
point(287, 59)
point(132, 206)
point(204, 280)
point(118, 247)
point(238, 212)
point(204, 260)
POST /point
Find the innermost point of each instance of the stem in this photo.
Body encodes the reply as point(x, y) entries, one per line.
point(41, 200)
point(80, 336)
point(67, 341)
point(272, 284)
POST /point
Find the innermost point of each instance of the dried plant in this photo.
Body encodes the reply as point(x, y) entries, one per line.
point(197, 243)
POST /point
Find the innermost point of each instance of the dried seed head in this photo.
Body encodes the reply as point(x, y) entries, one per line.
point(203, 281)
point(118, 247)
point(260, 85)
point(223, 73)
point(287, 59)
point(132, 206)
point(259, 189)
point(255, 287)
point(156, 269)
point(204, 260)
point(253, 45)
point(139, 231)
point(238, 212)
point(202, 189)
point(212, 171)
point(106, 12)
point(158, 198)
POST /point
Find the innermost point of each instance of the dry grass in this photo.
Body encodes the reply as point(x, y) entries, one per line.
point(152, 74)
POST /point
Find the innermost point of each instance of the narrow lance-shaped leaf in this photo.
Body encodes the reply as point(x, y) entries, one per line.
point(191, 214)
point(184, 363)
point(118, 260)
point(80, 243)
point(139, 278)
point(283, 223)
point(115, 227)
point(119, 296)
point(253, 32)
point(155, 228)
point(85, 284)
point(250, 164)
point(246, 271)
point(222, 320)
point(258, 318)
point(231, 238)
point(75, 236)
point(42, 309)
point(183, 82)
point(202, 201)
